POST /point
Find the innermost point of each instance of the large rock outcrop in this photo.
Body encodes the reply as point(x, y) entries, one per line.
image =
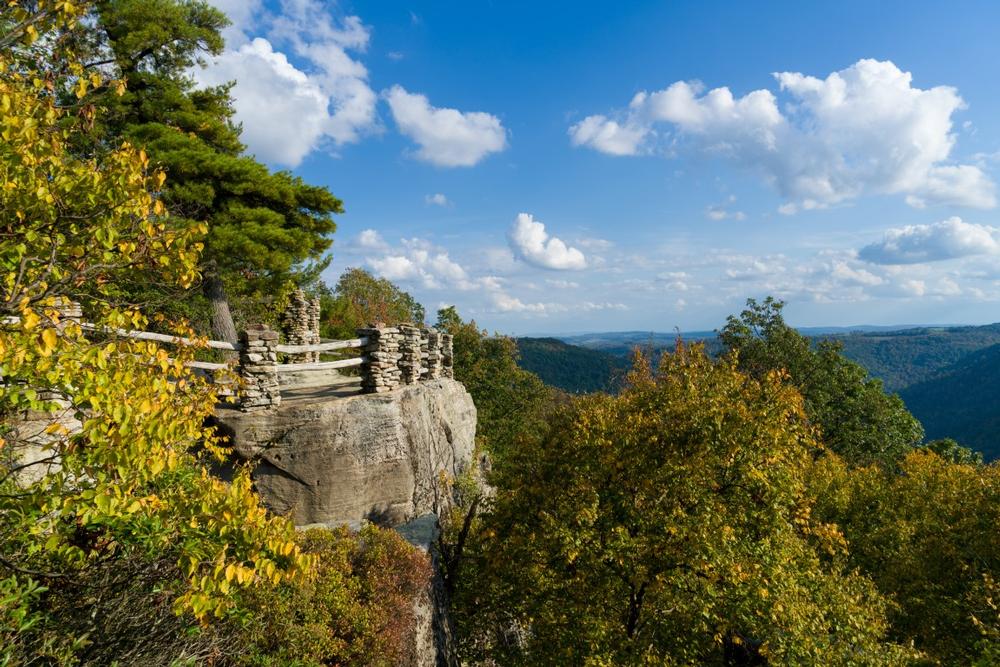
point(377, 457)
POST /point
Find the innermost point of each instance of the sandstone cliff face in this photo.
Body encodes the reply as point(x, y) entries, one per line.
point(379, 457)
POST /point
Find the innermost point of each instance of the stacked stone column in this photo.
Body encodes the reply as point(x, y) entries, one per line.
point(432, 354)
point(381, 372)
point(300, 323)
point(410, 362)
point(258, 356)
point(445, 341)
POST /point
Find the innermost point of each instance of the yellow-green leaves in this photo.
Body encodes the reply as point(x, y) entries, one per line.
point(81, 223)
point(105, 450)
point(668, 525)
point(926, 533)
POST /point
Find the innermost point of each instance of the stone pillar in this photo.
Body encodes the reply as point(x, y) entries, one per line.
point(432, 354)
point(410, 354)
point(447, 355)
point(381, 372)
point(258, 355)
point(300, 323)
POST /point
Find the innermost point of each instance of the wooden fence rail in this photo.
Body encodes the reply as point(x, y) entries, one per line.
point(390, 357)
point(323, 347)
point(160, 338)
point(321, 365)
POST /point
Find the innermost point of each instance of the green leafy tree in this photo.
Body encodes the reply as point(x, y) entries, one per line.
point(858, 420)
point(926, 535)
point(949, 450)
point(668, 525)
point(104, 483)
point(510, 402)
point(265, 229)
point(360, 299)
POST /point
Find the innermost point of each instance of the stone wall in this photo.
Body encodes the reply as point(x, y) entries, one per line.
point(404, 355)
point(410, 354)
point(381, 372)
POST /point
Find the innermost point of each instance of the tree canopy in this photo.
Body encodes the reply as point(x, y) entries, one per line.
point(856, 417)
point(926, 535)
point(104, 457)
point(265, 229)
point(118, 545)
point(360, 299)
point(669, 525)
point(510, 401)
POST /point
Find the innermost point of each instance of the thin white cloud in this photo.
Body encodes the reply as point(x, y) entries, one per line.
point(606, 305)
point(842, 272)
point(446, 137)
point(724, 211)
point(745, 267)
point(419, 262)
point(531, 243)
point(437, 199)
point(505, 303)
point(948, 239)
point(863, 130)
point(498, 259)
point(324, 100)
point(370, 239)
point(597, 245)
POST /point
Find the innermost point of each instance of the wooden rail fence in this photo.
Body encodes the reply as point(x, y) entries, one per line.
point(390, 357)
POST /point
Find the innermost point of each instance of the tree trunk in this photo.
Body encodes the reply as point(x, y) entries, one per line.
point(223, 327)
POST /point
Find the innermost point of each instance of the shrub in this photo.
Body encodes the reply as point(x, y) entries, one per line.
point(356, 607)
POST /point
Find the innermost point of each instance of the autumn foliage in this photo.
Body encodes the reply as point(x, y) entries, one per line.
point(670, 525)
point(117, 544)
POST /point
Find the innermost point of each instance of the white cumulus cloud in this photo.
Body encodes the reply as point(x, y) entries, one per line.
point(529, 241)
point(325, 98)
point(862, 130)
point(949, 239)
point(608, 136)
point(446, 137)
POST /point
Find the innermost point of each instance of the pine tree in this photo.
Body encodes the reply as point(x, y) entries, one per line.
point(264, 228)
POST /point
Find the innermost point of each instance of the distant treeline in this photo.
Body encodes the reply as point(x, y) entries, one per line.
point(949, 377)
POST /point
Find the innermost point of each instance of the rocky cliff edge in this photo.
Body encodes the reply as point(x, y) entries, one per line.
point(376, 457)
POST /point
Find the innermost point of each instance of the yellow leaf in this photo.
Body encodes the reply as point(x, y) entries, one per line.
point(30, 320)
point(49, 340)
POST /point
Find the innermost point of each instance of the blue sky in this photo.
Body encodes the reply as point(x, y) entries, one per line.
point(558, 167)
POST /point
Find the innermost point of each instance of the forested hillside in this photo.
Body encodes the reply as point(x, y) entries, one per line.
point(932, 368)
point(904, 358)
point(570, 367)
point(962, 402)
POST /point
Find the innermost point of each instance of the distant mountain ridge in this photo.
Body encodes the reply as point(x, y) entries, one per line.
point(949, 376)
